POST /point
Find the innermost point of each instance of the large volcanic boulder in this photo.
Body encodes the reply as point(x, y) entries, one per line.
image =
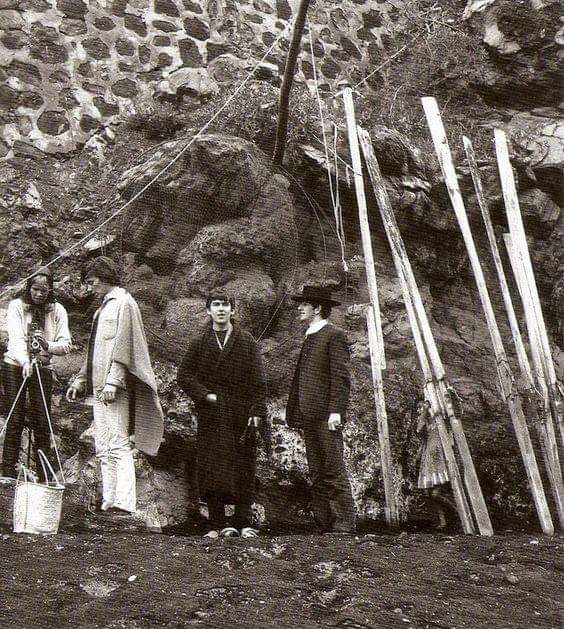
point(218, 217)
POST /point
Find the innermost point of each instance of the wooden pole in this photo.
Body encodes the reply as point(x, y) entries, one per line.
point(432, 396)
point(421, 326)
point(363, 218)
point(482, 203)
point(374, 321)
point(507, 383)
point(391, 510)
point(545, 429)
point(519, 237)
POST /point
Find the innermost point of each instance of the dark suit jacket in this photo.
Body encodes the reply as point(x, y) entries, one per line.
point(321, 382)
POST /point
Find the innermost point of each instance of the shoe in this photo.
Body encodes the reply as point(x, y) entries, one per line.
point(7, 480)
point(213, 534)
point(116, 513)
point(229, 531)
point(247, 532)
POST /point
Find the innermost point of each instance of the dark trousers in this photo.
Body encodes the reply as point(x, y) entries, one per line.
point(245, 487)
point(333, 505)
point(36, 416)
point(242, 517)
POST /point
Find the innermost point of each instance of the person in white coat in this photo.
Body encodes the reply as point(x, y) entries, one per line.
point(118, 377)
point(33, 316)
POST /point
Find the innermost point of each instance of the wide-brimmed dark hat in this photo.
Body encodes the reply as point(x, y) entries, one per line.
point(316, 295)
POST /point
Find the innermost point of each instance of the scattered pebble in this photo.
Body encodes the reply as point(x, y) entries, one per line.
point(99, 589)
point(132, 578)
point(512, 578)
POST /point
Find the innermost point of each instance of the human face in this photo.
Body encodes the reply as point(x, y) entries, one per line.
point(220, 312)
point(39, 290)
point(96, 285)
point(306, 312)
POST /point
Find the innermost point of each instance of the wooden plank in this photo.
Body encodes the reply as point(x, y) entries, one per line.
point(432, 396)
point(482, 203)
point(519, 238)
point(424, 343)
point(363, 217)
point(376, 338)
point(507, 383)
point(391, 510)
point(545, 430)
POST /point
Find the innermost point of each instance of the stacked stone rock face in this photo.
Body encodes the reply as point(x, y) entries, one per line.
point(70, 67)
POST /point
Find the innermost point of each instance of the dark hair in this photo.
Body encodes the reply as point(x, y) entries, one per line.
point(104, 268)
point(325, 308)
point(219, 294)
point(26, 293)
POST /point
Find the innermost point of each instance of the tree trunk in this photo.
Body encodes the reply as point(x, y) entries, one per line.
point(282, 127)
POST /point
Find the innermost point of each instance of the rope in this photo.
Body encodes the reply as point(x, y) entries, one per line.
point(157, 176)
point(382, 65)
point(49, 421)
point(24, 381)
point(338, 206)
point(334, 193)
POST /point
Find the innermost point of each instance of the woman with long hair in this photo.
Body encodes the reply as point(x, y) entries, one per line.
point(37, 328)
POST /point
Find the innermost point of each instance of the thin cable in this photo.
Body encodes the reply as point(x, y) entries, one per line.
point(49, 421)
point(24, 382)
point(334, 193)
point(338, 206)
point(167, 167)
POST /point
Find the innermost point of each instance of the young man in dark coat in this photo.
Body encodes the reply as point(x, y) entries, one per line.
point(317, 404)
point(223, 373)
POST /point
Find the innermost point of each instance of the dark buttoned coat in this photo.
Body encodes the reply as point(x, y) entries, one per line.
point(321, 382)
point(236, 376)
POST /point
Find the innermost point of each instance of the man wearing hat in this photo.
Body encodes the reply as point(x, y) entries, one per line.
point(317, 404)
point(119, 381)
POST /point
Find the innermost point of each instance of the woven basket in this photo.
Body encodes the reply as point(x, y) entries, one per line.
point(37, 506)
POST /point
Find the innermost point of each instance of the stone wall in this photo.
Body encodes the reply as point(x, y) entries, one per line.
point(71, 67)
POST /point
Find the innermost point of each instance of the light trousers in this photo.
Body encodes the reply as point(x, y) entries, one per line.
point(113, 450)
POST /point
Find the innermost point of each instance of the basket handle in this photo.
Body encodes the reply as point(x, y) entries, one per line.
point(46, 465)
point(26, 476)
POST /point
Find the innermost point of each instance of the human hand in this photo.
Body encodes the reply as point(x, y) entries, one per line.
point(75, 389)
point(26, 370)
point(254, 422)
point(211, 398)
point(108, 394)
point(38, 336)
point(334, 421)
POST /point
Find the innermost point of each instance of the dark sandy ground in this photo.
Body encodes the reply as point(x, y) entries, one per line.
point(100, 575)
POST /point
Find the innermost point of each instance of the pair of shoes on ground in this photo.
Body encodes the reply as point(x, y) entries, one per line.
point(113, 512)
point(229, 531)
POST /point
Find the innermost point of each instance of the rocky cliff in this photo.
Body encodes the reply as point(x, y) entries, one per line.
point(223, 216)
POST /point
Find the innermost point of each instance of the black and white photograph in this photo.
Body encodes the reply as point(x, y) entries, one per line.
point(281, 314)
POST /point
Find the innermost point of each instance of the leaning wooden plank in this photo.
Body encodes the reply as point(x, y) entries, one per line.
point(544, 427)
point(363, 218)
point(424, 337)
point(482, 203)
point(375, 324)
point(543, 420)
point(432, 396)
point(391, 511)
point(519, 237)
point(505, 376)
